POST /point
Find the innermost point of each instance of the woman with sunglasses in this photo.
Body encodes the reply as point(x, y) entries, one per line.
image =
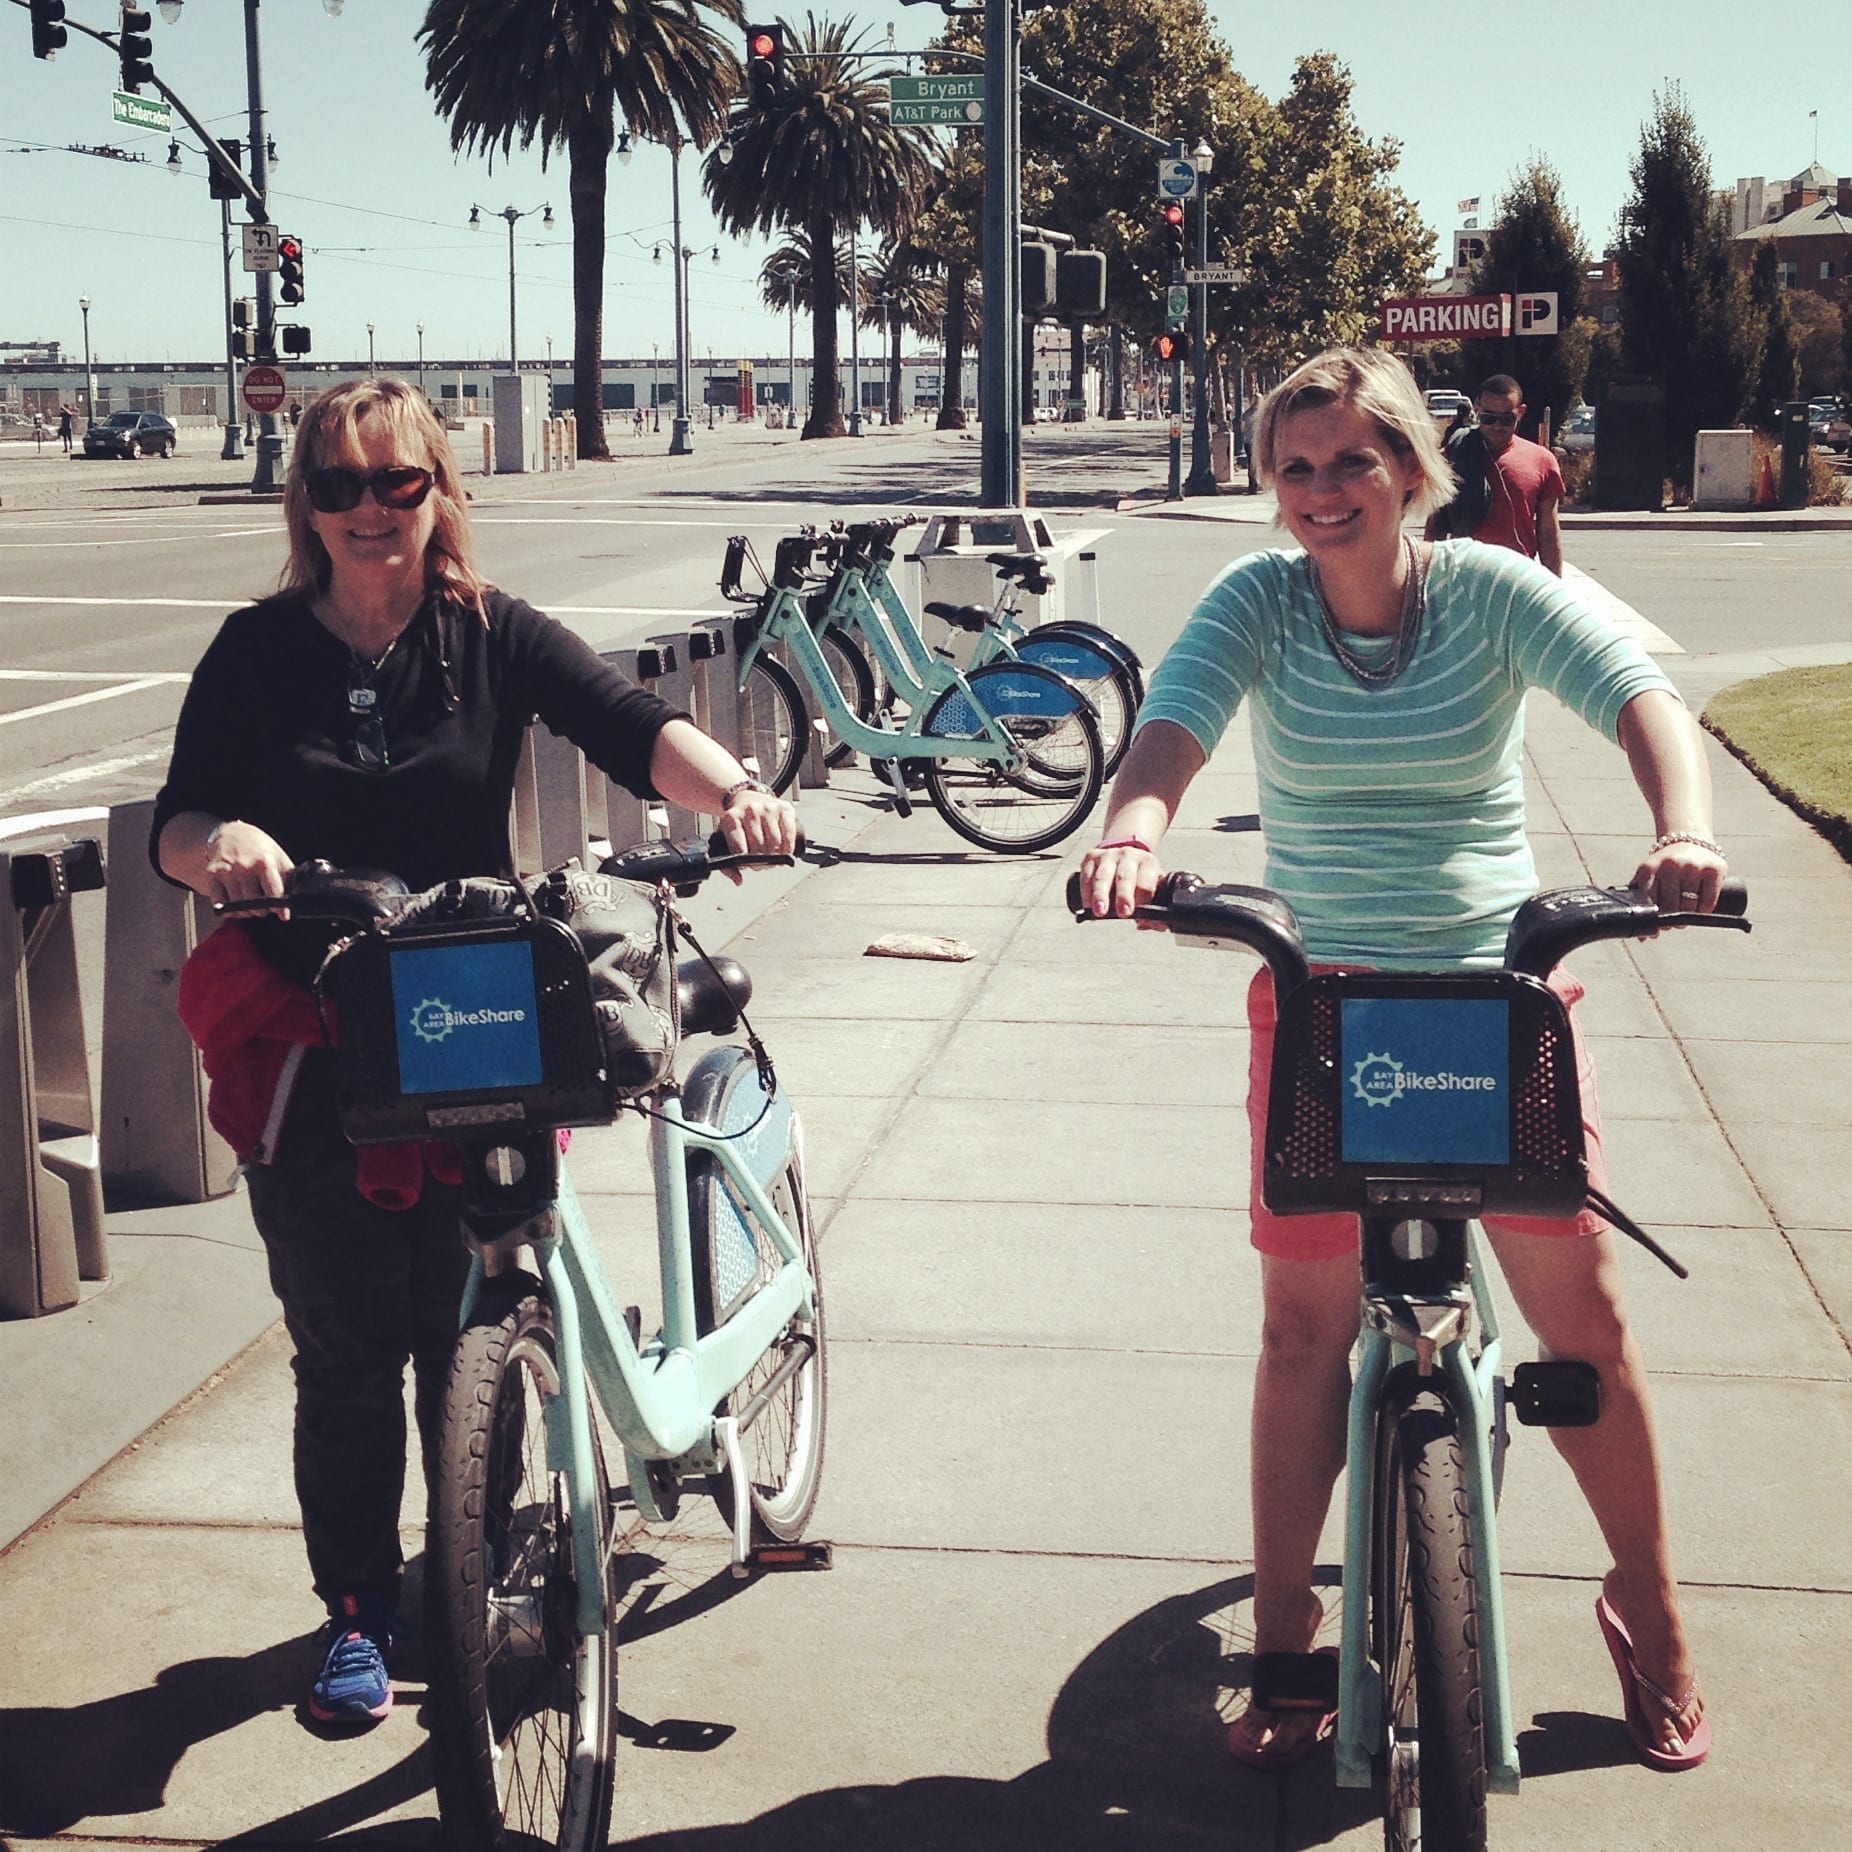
point(371, 712)
point(1386, 680)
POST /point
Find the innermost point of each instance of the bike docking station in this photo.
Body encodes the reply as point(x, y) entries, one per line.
point(952, 563)
point(51, 1190)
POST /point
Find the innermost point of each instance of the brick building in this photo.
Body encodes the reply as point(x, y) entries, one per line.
point(1809, 219)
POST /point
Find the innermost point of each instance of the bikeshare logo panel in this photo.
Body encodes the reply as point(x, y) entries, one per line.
point(1426, 1080)
point(466, 1018)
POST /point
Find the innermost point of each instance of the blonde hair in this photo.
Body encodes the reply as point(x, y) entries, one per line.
point(329, 437)
point(1378, 385)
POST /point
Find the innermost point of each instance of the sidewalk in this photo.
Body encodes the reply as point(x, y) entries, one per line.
point(1043, 1315)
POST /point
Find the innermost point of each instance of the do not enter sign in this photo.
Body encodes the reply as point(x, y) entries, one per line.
point(264, 389)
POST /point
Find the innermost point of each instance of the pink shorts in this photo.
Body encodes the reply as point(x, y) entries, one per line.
point(1325, 1237)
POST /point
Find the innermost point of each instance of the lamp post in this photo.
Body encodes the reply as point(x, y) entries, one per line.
point(707, 389)
point(790, 283)
point(855, 345)
point(232, 450)
point(655, 389)
point(514, 217)
point(421, 356)
point(369, 347)
point(83, 302)
point(1201, 479)
point(680, 443)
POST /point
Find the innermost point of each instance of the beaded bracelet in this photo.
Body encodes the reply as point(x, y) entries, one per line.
point(1126, 842)
point(1690, 836)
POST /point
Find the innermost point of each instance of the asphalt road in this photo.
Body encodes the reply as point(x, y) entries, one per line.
point(109, 594)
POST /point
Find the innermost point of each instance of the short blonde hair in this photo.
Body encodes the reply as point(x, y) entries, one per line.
point(1379, 386)
point(328, 437)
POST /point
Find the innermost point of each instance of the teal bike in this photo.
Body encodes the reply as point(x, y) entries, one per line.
point(1008, 753)
point(491, 1016)
point(1419, 1102)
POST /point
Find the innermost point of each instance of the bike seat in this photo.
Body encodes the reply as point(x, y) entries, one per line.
point(971, 617)
point(711, 997)
point(1018, 565)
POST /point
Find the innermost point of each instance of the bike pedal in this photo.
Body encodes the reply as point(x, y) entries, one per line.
point(1556, 1394)
point(890, 769)
point(1295, 1681)
point(790, 1556)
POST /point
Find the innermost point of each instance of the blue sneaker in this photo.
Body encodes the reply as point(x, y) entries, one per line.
point(353, 1685)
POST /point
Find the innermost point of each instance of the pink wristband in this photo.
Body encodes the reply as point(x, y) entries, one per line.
point(1126, 842)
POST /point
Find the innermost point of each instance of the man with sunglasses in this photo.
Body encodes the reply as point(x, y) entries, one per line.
point(1509, 487)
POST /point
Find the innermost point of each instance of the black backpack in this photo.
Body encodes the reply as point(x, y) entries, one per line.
point(1466, 452)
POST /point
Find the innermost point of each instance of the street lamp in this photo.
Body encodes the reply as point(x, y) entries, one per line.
point(83, 302)
point(421, 356)
point(655, 391)
point(514, 218)
point(1201, 479)
point(369, 347)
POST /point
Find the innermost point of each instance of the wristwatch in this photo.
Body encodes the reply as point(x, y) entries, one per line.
point(745, 784)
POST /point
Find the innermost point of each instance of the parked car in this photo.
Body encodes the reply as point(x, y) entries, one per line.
point(1833, 432)
point(1445, 403)
point(1578, 432)
point(124, 434)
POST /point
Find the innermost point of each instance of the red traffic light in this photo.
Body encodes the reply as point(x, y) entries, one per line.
point(761, 45)
point(1173, 214)
point(1169, 346)
point(289, 249)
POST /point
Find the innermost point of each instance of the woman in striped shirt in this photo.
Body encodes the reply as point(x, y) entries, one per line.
point(1386, 678)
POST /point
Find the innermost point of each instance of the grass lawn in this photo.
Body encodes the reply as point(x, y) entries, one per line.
point(1794, 731)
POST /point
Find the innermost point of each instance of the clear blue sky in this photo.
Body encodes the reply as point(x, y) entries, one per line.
point(367, 178)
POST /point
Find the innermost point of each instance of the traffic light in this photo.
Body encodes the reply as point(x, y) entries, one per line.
point(1080, 286)
point(295, 338)
point(1036, 271)
point(1172, 232)
point(242, 307)
point(220, 184)
point(47, 27)
point(765, 64)
point(1169, 346)
point(136, 48)
point(241, 344)
point(289, 269)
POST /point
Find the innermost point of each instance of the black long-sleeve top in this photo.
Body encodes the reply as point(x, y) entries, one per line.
point(266, 735)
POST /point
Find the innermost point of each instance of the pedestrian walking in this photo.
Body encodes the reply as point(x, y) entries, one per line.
point(1509, 487)
point(1387, 679)
point(371, 711)
point(65, 420)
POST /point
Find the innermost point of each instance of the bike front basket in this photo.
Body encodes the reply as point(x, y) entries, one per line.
point(1426, 1095)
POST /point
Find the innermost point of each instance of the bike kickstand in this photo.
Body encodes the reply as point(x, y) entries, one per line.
point(727, 1432)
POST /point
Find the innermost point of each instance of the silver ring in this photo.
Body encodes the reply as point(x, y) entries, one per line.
point(1687, 893)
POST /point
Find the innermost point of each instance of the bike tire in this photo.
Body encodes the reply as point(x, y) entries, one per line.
point(1051, 794)
point(1098, 674)
point(1425, 1635)
point(1097, 634)
point(854, 676)
point(783, 1446)
point(523, 1707)
point(774, 722)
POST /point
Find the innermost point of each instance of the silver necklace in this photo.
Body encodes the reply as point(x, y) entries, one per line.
point(1408, 628)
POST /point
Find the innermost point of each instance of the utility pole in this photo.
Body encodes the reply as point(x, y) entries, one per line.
point(1202, 468)
point(266, 477)
point(1000, 355)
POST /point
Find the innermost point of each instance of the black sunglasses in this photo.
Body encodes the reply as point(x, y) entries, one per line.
point(336, 491)
point(1510, 418)
point(367, 748)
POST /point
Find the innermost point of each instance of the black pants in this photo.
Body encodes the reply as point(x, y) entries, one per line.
point(363, 1290)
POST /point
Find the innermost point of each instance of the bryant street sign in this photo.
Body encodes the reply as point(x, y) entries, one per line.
point(939, 101)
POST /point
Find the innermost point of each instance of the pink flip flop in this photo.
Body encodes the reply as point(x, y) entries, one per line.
point(1255, 1755)
point(1633, 1683)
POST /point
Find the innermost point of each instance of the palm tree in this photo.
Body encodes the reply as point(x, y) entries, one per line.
point(819, 155)
point(900, 294)
point(784, 279)
point(561, 72)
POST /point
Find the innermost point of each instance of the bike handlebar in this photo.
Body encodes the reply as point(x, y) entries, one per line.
point(1544, 931)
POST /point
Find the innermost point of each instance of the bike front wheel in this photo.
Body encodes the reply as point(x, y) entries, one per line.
point(523, 1705)
point(1425, 1635)
point(783, 1402)
point(774, 722)
point(1050, 793)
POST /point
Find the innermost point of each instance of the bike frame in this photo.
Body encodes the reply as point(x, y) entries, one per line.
point(1469, 1369)
point(661, 1397)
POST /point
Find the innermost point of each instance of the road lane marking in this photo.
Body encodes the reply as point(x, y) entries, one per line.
point(93, 675)
point(91, 773)
point(135, 540)
point(1620, 614)
point(84, 700)
point(170, 604)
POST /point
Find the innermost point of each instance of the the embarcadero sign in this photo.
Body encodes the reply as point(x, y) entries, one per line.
point(1445, 318)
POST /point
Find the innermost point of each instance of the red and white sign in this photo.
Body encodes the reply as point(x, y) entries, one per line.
point(264, 389)
point(1445, 318)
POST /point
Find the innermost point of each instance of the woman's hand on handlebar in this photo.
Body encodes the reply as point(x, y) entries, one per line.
point(1681, 876)
point(758, 823)
point(244, 862)
point(1119, 876)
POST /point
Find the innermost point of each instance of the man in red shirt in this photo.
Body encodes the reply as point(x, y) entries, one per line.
point(1509, 487)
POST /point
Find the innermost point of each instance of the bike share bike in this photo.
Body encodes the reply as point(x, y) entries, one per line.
point(1419, 1102)
point(492, 1016)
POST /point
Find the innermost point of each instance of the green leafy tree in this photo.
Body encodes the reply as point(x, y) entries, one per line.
point(1686, 315)
point(1534, 244)
point(1816, 323)
point(1779, 379)
point(819, 156)
point(561, 73)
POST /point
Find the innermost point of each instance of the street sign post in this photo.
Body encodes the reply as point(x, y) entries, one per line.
point(260, 248)
point(264, 389)
point(1216, 273)
point(1176, 178)
point(141, 112)
point(938, 101)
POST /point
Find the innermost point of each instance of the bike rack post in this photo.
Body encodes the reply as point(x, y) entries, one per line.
point(552, 823)
point(675, 680)
point(51, 1190)
point(626, 816)
point(157, 1143)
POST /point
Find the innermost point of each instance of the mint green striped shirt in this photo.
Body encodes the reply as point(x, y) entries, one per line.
point(1394, 814)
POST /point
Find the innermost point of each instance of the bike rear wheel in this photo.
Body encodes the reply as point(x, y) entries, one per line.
point(1050, 794)
point(523, 1705)
point(781, 1443)
point(774, 722)
point(855, 679)
point(1098, 674)
point(1425, 1635)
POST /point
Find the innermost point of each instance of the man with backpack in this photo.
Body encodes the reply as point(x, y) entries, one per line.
point(1509, 487)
